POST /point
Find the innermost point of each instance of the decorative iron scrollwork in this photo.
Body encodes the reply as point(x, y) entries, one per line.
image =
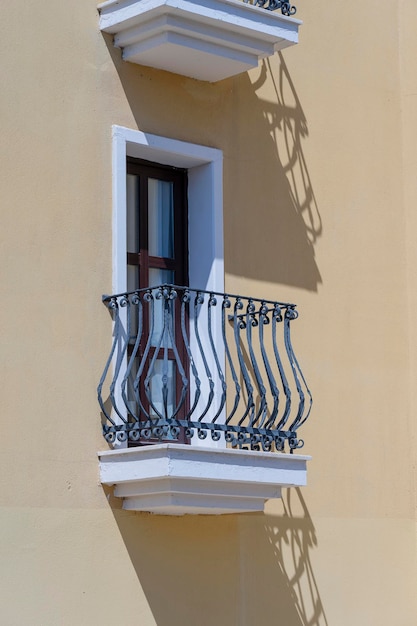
point(182, 366)
point(287, 8)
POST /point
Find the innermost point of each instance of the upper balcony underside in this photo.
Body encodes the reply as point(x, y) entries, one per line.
point(209, 39)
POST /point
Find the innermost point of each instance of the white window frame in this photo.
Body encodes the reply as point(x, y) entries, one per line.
point(205, 212)
point(205, 202)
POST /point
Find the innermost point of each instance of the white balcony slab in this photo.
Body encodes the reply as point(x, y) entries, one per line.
point(205, 39)
point(179, 479)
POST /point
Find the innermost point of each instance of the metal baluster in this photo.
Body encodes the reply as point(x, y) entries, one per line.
point(252, 322)
point(277, 317)
point(238, 326)
point(263, 321)
point(135, 301)
point(184, 301)
point(198, 301)
point(112, 306)
point(148, 298)
point(212, 303)
point(296, 368)
point(122, 348)
point(226, 305)
point(157, 348)
point(170, 300)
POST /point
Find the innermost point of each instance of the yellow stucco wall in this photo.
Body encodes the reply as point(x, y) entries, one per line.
point(319, 208)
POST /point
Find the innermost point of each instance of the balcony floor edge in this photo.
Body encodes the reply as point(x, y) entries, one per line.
point(177, 479)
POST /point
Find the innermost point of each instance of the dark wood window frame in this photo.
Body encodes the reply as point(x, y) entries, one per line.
point(141, 259)
point(179, 264)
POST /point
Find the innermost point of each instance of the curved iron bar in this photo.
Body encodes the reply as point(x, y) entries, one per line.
point(238, 325)
point(111, 305)
point(198, 301)
point(252, 322)
point(135, 301)
point(259, 425)
point(169, 299)
point(122, 337)
point(289, 315)
point(167, 295)
point(186, 300)
point(276, 318)
point(148, 297)
point(263, 321)
point(226, 305)
point(299, 419)
point(212, 303)
point(150, 371)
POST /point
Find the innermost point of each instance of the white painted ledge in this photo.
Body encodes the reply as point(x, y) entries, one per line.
point(205, 39)
point(178, 479)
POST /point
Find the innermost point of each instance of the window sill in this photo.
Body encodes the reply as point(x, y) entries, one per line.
point(176, 479)
point(209, 40)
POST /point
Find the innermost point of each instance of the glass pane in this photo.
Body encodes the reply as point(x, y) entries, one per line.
point(156, 388)
point(132, 277)
point(160, 277)
point(161, 218)
point(132, 284)
point(132, 200)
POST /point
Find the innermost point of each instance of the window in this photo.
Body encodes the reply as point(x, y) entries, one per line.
point(206, 476)
point(157, 253)
point(157, 219)
point(176, 184)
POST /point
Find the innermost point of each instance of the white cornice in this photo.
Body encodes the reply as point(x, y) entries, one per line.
point(205, 39)
point(177, 479)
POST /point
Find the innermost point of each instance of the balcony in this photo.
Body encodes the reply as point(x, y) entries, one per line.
point(205, 39)
point(204, 400)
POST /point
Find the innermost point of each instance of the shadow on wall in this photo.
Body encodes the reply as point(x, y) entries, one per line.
point(271, 218)
point(273, 237)
point(229, 570)
point(250, 569)
point(276, 567)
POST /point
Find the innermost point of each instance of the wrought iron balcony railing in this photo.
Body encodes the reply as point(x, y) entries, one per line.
point(286, 7)
point(188, 363)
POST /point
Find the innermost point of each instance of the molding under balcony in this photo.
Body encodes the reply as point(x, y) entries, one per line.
point(205, 39)
point(178, 479)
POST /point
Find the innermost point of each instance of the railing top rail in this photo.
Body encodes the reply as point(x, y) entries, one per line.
point(284, 305)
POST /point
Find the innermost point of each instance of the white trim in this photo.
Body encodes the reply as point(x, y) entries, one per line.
point(176, 479)
point(205, 202)
point(205, 221)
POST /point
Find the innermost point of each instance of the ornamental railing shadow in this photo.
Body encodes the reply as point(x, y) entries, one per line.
point(277, 565)
point(249, 569)
point(292, 536)
point(188, 363)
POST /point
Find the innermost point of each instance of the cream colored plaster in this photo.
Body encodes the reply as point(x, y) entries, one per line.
point(325, 571)
point(319, 209)
point(407, 53)
point(86, 567)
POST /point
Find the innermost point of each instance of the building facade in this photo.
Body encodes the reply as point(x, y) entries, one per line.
point(307, 196)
